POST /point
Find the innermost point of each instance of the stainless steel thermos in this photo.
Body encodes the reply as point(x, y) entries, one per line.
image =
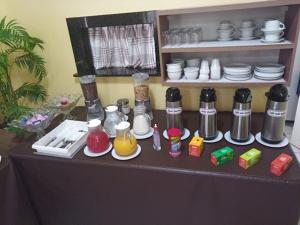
point(174, 109)
point(208, 114)
point(275, 114)
point(241, 115)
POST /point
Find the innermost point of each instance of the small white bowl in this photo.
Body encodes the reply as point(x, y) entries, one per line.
point(178, 60)
point(191, 69)
point(191, 75)
point(173, 70)
point(174, 66)
point(174, 75)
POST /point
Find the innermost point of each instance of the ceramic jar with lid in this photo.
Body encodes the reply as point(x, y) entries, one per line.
point(141, 120)
point(97, 139)
point(125, 143)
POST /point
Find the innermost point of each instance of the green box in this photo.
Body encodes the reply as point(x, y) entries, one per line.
point(222, 156)
point(250, 158)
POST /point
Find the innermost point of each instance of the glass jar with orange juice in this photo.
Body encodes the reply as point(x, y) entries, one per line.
point(125, 143)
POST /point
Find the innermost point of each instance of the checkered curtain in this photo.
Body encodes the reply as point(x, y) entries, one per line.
point(123, 46)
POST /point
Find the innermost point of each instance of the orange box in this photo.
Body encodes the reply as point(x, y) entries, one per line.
point(196, 146)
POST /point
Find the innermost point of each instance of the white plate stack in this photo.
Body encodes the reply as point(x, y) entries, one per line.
point(237, 72)
point(269, 71)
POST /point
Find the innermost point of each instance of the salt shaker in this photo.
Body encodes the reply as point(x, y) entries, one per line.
point(215, 69)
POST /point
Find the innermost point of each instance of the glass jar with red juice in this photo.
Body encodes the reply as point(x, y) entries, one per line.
point(97, 139)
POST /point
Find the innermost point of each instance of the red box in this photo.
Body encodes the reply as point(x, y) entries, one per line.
point(281, 164)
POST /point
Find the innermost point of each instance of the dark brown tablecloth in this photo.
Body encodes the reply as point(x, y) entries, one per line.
point(15, 207)
point(156, 189)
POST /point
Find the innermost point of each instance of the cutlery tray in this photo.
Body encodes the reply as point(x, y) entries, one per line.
point(65, 130)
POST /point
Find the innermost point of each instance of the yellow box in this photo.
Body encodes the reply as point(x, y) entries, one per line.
point(196, 146)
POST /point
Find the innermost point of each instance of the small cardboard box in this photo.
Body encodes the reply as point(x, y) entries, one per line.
point(249, 158)
point(221, 156)
point(281, 164)
point(196, 146)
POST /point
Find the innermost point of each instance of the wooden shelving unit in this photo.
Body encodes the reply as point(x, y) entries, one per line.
point(286, 50)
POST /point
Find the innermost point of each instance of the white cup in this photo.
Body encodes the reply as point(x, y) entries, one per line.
point(226, 34)
point(225, 25)
point(246, 32)
point(272, 36)
point(274, 25)
point(247, 23)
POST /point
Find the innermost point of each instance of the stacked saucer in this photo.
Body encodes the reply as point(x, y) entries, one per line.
point(269, 71)
point(237, 72)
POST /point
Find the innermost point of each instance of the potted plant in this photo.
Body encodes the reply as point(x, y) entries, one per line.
point(19, 49)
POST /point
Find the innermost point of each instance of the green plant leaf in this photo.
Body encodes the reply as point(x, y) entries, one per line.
point(32, 91)
point(15, 111)
point(17, 47)
point(33, 63)
point(4, 64)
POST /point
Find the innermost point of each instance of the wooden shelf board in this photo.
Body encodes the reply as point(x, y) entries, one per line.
point(228, 7)
point(219, 46)
point(222, 83)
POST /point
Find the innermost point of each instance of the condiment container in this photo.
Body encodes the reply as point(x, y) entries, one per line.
point(249, 158)
point(125, 143)
point(123, 105)
point(222, 156)
point(196, 146)
point(141, 120)
point(92, 102)
point(147, 104)
point(281, 164)
point(141, 86)
point(156, 138)
point(174, 142)
point(97, 139)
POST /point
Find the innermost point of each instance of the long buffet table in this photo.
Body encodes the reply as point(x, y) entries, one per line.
point(15, 206)
point(156, 189)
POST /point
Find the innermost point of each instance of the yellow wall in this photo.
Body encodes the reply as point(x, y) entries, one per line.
point(46, 20)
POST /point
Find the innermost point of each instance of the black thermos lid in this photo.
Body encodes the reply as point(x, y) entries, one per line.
point(278, 93)
point(243, 95)
point(208, 95)
point(173, 94)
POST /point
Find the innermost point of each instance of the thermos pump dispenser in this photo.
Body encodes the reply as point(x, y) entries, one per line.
point(275, 114)
point(208, 114)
